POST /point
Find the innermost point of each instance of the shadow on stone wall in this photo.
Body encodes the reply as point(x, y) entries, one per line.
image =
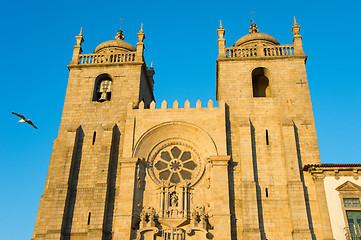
point(72, 184)
point(258, 188)
point(112, 175)
point(231, 175)
point(299, 158)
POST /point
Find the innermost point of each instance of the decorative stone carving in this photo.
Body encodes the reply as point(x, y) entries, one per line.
point(253, 28)
point(175, 163)
point(174, 205)
point(175, 166)
point(120, 35)
point(173, 199)
point(148, 219)
point(199, 220)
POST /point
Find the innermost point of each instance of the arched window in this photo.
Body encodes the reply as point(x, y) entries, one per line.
point(102, 88)
point(260, 82)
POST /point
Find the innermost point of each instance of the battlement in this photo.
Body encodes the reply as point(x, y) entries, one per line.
point(175, 106)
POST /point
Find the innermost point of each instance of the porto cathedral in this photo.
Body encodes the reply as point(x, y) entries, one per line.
point(124, 167)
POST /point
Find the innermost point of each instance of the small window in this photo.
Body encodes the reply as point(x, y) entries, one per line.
point(260, 82)
point(94, 137)
point(102, 88)
point(267, 139)
point(89, 216)
point(351, 202)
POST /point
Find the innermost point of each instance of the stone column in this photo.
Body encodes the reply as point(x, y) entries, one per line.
point(123, 211)
point(250, 216)
point(322, 206)
point(220, 197)
point(296, 198)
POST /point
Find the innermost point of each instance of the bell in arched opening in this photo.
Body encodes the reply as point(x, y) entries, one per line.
point(104, 90)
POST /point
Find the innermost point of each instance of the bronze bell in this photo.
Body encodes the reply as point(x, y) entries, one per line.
point(103, 97)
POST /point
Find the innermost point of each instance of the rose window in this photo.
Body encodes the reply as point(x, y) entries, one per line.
point(176, 164)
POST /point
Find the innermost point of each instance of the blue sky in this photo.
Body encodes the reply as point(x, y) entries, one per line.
point(181, 39)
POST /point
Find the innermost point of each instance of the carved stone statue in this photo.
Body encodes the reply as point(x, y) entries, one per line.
point(173, 199)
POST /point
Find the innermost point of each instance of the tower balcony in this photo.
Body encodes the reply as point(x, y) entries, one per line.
point(261, 51)
point(106, 58)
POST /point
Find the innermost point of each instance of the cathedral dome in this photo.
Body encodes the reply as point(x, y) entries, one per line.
point(255, 37)
point(117, 45)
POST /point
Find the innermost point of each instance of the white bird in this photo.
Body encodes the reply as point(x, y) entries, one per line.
point(23, 120)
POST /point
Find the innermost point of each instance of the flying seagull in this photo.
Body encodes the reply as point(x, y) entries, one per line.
point(23, 119)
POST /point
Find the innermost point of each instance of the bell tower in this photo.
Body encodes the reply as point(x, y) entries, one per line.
point(271, 136)
point(79, 195)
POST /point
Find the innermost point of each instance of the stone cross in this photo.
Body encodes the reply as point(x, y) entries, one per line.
point(301, 82)
point(252, 12)
point(121, 22)
point(306, 124)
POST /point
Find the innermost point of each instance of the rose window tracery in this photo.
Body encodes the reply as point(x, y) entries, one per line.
point(176, 163)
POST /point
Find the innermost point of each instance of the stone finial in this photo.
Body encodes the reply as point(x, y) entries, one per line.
point(253, 28)
point(77, 48)
point(79, 38)
point(297, 38)
point(164, 105)
point(140, 45)
point(141, 105)
point(296, 27)
point(221, 41)
point(210, 103)
point(187, 104)
point(152, 105)
point(221, 31)
point(120, 35)
point(199, 104)
point(175, 104)
point(141, 35)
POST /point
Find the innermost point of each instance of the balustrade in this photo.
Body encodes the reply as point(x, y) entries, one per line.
point(242, 52)
point(283, 50)
point(105, 58)
point(260, 51)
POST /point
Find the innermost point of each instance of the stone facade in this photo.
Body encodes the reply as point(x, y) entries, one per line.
point(122, 168)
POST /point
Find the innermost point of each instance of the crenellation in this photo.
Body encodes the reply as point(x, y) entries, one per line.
point(175, 106)
point(164, 105)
